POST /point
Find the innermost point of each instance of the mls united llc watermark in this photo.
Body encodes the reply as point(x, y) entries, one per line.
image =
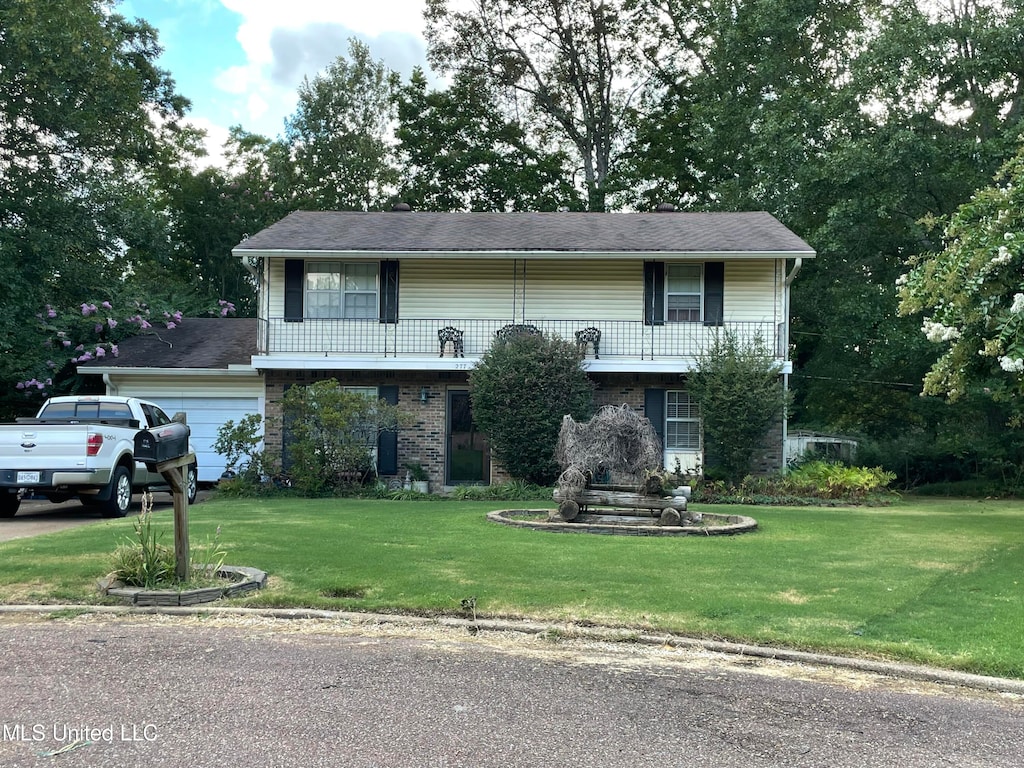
point(66, 732)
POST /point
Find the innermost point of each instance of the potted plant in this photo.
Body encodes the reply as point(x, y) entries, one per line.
point(419, 477)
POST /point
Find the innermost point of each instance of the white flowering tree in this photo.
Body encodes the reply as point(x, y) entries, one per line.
point(972, 293)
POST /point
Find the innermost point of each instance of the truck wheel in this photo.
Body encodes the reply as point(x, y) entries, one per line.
point(192, 482)
point(9, 503)
point(120, 494)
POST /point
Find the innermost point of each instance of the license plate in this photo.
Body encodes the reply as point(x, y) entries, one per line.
point(28, 477)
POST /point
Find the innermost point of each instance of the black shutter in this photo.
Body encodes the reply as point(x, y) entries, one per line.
point(714, 293)
point(389, 291)
point(654, 410)
point(294, 279)
point(654, 293)
point(387, 443)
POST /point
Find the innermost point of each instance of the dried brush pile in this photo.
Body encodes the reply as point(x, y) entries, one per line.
point(616, 439)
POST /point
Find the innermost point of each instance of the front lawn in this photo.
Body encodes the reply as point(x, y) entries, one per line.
point(932, 581)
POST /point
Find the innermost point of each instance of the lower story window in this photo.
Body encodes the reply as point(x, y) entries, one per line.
point(682, 422)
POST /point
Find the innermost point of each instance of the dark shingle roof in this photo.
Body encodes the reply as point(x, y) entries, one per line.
point(410, 232)
point(197, 342)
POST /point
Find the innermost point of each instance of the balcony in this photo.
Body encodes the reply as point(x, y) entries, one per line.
point(623, 341)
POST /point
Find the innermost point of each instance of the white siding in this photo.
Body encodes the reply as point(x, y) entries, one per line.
point(582, 290)
point(459, 289)
point(753, 292)
point(572, 289)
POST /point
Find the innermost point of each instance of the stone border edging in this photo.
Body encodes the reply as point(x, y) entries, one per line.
point(600, 634)
point(737, 524)
point(248, 580)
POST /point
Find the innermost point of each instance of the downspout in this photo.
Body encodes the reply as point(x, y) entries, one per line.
point(797, 264)
point(109, 384)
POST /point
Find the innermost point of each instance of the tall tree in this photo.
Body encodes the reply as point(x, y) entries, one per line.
point(969, 296)
point(211, 210)
point(339, 134)
point(85, 115)
point(941, 89)
point(573, 62)
point(459, 152)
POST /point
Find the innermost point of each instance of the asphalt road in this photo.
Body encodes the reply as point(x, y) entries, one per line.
point(209, 691)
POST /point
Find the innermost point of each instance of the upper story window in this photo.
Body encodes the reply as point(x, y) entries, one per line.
point(683, 291)
point(682, 422)
point(341, 290)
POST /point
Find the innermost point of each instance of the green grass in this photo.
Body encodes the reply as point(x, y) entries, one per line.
point(931, 581)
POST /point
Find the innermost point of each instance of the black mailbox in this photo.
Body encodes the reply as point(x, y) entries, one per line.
point(163, 443)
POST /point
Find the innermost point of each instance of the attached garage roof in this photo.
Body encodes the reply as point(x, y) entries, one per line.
point(327, 232)
point(197, 343)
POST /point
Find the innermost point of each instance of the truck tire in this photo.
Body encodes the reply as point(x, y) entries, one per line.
point(192, 482)
point(120, 494)
point(9, 503)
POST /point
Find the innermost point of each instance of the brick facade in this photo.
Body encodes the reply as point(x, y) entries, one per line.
point(424, 442)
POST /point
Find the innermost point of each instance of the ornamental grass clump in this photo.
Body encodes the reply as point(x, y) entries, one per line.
point(142, 560)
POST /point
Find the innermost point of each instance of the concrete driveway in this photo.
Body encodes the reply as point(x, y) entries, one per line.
point(38, 517)
point(208, 690)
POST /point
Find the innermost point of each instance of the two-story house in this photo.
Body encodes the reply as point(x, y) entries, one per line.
point(402, 304)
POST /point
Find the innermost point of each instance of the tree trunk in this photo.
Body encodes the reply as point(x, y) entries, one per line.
point(592, 497)
point(568, 509)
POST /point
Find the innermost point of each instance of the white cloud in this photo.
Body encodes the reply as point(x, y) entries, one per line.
point(285, 43)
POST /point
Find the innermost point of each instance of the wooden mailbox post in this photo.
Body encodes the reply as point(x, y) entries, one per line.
point(174, 471)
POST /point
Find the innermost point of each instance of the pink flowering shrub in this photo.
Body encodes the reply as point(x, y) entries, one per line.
point(92, 332)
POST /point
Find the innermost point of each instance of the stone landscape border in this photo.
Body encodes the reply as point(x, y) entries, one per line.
point(243, 580)
point(591, 523)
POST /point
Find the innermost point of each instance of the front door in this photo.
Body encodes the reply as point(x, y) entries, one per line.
point(469, 460)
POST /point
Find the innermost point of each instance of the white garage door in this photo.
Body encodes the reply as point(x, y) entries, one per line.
point(205, 417)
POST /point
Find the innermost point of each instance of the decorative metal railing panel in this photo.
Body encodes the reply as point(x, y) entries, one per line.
point(419, 337)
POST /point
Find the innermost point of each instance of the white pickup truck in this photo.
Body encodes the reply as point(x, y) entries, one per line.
point(81, 446)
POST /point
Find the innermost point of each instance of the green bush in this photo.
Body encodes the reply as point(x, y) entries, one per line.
point(330, 433)
point(520, 390)
point(516, 490)
point(831, 480)
point(239, 444)
point(739, 390)
point(814, 483)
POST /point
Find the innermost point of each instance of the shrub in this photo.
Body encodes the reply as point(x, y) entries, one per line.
point(520, 390)
point(830, 480)
point(814, 483)
point(516, 490)
point(740, 394)
point(331, 433)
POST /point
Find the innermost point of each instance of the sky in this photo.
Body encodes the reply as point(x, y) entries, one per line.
point(240, 62)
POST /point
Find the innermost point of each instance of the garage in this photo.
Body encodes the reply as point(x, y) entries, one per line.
point(202, 366)
point(205, 417)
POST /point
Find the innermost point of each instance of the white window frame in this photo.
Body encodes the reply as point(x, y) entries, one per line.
point(372, 393)
point(696, 314)
point(346, 290)
point(680, 409)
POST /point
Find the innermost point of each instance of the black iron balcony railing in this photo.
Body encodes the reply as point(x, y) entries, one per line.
point(419, 337)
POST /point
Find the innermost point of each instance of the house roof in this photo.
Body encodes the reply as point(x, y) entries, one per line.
point(197, 343)
point(327, 232)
